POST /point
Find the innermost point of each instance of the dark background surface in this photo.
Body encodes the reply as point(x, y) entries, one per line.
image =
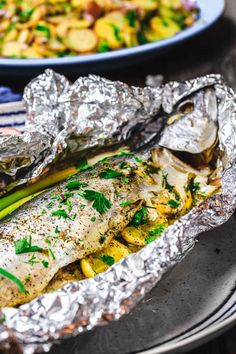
point(211, 52)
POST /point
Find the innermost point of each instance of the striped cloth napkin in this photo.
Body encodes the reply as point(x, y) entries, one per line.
point(12, 112)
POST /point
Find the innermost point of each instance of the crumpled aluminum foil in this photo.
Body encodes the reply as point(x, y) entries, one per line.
point(63, 119)
point(78, 307)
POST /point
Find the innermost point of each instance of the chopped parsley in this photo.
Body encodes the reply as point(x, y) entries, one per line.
point(159, 228)
point(137, 159)
point(123, 165)
point(127, 203)
point(141, 38)
point(116, 30)
point(131, 16)
point(166, 185)
point(45, 264)
point(100, 202)
point(150, 239)
point(12, 277)
point(103, 47)
point(56, 230)
point(49, 205)
point(102, 239)
point(93, 218)
point(194, 186)
point(25, 14)
point(140, 217)
point(173, 203)
point(108, 174)
point(68, 203)
point(44, 29)
point(47, 240)
point(51, 253)
point(25, 246)
point(72, 185)
point(32, 260)
point(107, 259)
point(61, 213)
point(125, 180)
point(27, 277)
point(83, 166)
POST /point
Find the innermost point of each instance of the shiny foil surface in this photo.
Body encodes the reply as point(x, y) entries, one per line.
point(63, 119)
point(195, 113)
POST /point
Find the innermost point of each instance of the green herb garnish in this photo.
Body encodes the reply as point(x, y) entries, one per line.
point(127, 203)
point(32, 260)
point(173, 203)
point(166, 185)
point(25, 14)
point(56, 230)
point(116, 30)
point(100, 202)
point(51, 253)
point(93, 218)
point(108, 174)
point(25, 246)
point(131, 16)
point(159, 228)
point(125, 180)
point(123, 165)
point(75, 185)
point(27, 277)
point(47, 240)
point(137, 159)
point(83, 166)
point(140, 217)
point(44, 29)
point(17, 281)
point(61, 213)
point(102, 239)
point(107, 259)
point(150, 239)
point(194, 186)
point(45, 264)
point(49, 205)
point(103, 47)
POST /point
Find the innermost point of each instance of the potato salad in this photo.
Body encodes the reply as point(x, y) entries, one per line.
point(58, 28)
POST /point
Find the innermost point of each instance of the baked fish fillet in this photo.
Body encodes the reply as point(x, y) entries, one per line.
point(81, 216)
point(64, 224)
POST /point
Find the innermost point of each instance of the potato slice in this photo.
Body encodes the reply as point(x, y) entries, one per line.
point(11, 49)
point(106, 30)
point(100, 261)
point(23, 36)
point(30, 52)
point(164, 28)
point(11, 35)
point(147, 5)
point(143, 234)
point(81, 40)
point(64, 26)
point(175, 4)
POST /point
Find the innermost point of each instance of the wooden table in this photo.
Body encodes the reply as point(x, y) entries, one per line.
point(211, 52)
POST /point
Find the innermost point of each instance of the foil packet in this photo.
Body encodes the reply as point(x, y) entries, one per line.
point(185, 117)
point(64, 119)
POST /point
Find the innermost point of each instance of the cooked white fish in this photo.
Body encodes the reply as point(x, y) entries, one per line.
point(80, 217)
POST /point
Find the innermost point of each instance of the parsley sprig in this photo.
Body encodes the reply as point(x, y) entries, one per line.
point(107, 259)
point(100, 202)
point(25, 246)
point(72, 185)
point(140, 217)
point(109, 174)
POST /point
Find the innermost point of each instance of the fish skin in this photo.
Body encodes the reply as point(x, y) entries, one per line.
point(77, 238)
